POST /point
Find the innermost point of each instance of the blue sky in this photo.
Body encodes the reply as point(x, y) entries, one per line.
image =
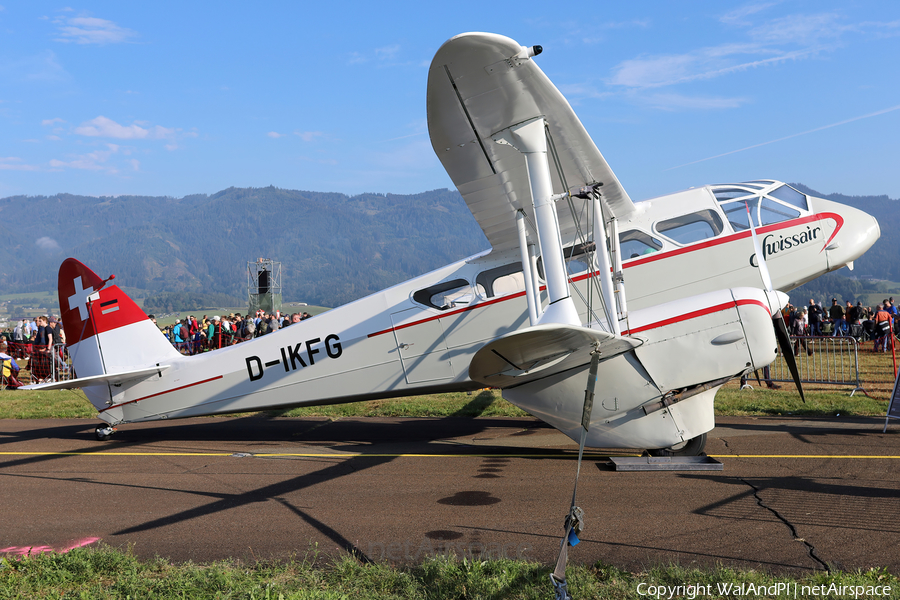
point(176, 98)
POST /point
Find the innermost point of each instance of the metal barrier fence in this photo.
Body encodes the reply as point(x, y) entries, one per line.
point(37, 363)
point(822, 360)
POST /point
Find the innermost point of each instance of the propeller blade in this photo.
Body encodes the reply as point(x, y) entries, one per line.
point(763, 269)
point(784, 342)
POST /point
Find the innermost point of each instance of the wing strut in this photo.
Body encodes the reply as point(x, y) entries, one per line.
point(618, 275)
point(601, 254)
point(531, 294)
point(530, 139)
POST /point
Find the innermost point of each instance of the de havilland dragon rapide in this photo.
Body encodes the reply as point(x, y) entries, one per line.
point(662, 301)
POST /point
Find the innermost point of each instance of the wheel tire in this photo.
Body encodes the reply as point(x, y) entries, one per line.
point(101, 433)
point(692, 447)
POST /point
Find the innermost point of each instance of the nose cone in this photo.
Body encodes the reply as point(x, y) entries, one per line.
point(854, 233)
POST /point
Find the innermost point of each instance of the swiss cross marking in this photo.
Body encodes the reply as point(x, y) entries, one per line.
point(80, 298)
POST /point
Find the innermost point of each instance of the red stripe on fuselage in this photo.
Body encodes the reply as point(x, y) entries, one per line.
point(695, 314)
point(165, 392)
point(838, 219)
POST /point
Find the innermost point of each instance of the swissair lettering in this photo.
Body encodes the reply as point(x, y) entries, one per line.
point(772, 246)
point(292, 357)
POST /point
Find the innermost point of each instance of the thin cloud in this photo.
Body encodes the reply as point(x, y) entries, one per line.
point(739, 15)
point(774, 41)
point(39, 68)
point(673, 102)
point(275, 134)
point(104, 127)
point(707, 63)
point(382, 54)
point(90, 30)
point(309, 136)
point(93, 161)
point(14, 163)
point(787, 137)
point(47, 243)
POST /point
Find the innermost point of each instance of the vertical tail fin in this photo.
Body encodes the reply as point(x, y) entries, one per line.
point(106, 332)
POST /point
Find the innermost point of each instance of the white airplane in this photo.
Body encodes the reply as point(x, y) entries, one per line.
point(526, 316)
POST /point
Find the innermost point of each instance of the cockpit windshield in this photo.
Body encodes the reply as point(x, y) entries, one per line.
point(766, 207)
point(788, 194)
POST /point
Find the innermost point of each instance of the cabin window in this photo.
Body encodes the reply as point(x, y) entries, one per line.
point(775, 212)
point(691, 228)
point(790, 196)
point(635, 243)
point(736, 213)
point(577, 259)
point(500, 281)
point(446, 295)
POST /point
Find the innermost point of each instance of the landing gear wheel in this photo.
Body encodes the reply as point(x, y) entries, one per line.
point(103, 432)
point(692, 447)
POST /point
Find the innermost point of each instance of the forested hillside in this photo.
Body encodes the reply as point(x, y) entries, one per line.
point(333, 248)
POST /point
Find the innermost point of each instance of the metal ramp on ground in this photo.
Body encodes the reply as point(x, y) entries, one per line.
point(666, 463)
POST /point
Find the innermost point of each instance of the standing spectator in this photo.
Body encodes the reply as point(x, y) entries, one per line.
point(815, 317)
point(798, 330)
point(273, 323)
point(836, 312)
point(883, 323)
point(852, 313)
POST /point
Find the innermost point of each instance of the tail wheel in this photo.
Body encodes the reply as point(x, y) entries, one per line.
point(103, 432)
point(691, 447)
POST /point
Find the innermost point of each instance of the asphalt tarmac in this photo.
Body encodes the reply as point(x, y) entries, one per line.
point(795, 494)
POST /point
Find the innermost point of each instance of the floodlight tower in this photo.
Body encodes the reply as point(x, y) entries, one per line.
point(264, 285)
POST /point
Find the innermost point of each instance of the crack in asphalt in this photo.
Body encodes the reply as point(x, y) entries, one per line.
point(811, 550)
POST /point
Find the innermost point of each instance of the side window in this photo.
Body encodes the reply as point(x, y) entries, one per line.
point(736, 213)
point(500, 281)
point(446, 295)
point(577, 259)
point(775, 212)
point(635, 243)
point(691, 228)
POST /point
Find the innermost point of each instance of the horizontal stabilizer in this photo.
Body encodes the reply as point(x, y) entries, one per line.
point(111, 378)
point(542, 351)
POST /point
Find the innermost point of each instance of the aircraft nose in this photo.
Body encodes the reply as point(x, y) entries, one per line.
point(857, 232)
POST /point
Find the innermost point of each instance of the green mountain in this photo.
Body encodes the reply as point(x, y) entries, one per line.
point(333, 248)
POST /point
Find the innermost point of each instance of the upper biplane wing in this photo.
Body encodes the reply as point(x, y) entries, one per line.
point(480, 84)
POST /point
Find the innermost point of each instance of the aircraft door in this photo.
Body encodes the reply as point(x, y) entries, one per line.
point(423, 349)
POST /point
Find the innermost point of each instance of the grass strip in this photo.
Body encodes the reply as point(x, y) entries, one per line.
point(876, 372)
point(104, 572)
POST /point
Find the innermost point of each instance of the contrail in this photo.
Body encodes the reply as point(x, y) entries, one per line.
point(874, 114)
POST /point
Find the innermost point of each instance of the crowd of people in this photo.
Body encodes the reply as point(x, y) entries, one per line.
point(192, 336)
point(39, 344)
point(861, 322)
